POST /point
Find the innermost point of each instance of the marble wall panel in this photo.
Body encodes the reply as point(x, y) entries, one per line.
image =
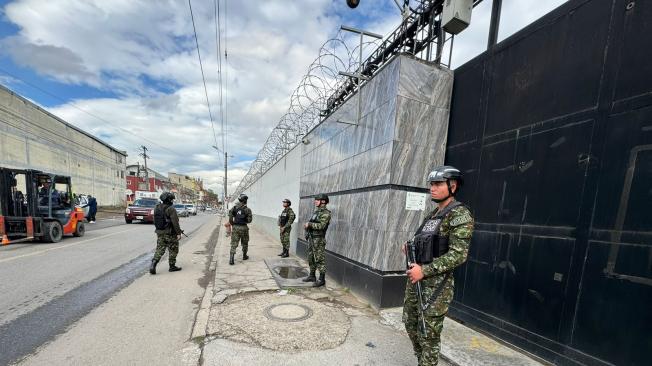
point(411, 163)
point(382, 88)
point(402, 219)
point(421, 124)
point(383, 123)
point(393, 259)
point(372, 167)
point(425, 82)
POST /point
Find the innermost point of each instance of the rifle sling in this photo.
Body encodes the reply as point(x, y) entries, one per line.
point(437, 292)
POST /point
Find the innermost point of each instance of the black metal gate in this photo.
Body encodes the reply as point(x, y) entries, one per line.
point(553, 127)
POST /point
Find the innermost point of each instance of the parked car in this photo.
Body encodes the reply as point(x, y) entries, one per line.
point(181, 210)
point(209, 209)
point(192, 209)
point(142, 209)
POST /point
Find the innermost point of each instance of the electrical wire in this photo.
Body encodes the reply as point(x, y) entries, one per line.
point(201, 67)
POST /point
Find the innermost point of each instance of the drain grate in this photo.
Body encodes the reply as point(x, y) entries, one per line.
point(288, 312)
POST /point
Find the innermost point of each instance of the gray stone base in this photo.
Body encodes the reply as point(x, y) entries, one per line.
point(380, 289)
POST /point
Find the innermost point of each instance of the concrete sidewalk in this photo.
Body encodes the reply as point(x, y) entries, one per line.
point(246, 319)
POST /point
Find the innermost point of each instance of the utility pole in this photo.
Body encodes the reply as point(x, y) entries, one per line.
point(226, 157)
point(145, 156)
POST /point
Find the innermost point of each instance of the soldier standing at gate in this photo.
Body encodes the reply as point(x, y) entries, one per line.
point(239, 216)
point(440, 245)
point(316, 236)
point(285, 221)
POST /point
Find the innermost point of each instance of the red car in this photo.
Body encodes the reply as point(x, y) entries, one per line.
point(142, 209)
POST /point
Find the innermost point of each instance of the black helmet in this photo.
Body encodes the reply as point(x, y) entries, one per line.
point(167, 197)
point(321, 197)
point(287, 201)
point(243, 197)
point(444, 173)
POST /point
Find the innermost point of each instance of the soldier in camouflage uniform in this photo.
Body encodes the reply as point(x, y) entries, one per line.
point(285, 221)
point(239, 216)
point(447, 230)
point(168, 232)
point(316, 236)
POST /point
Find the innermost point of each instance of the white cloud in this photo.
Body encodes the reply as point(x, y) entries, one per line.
point(144, 52)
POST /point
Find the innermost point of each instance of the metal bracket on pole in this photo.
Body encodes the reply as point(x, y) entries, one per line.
point(358, 74)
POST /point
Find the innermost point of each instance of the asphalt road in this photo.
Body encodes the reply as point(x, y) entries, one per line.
point(46, 287)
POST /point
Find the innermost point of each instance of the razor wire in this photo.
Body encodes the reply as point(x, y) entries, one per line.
point(307, 102)
point(323, 90)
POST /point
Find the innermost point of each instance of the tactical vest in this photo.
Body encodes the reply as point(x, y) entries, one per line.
point(284, 218)
point(315, 219)
point(161, 220)
point(239, 215)
point(427, 241)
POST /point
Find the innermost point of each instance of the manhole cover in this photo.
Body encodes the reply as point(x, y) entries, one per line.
point(288, 312)
point(291, 272)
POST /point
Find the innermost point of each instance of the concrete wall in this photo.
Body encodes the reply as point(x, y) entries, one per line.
point(32, 138)
point(267, 193)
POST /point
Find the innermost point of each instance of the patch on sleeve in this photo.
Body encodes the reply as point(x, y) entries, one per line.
point(461, 219)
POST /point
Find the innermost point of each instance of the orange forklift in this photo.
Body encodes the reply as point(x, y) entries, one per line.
point(35, 205)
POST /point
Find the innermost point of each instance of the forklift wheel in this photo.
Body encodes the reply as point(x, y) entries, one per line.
point(80, 230)
point(53, 232)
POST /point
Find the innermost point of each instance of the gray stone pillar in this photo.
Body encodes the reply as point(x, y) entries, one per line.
point(369, 169)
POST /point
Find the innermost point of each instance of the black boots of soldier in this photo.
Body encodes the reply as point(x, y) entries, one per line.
point(232, 260)
point(174, 268)
point(321, 281)
point(285, 253)
point(244, 256)
point(310, 278)
point(152, 267)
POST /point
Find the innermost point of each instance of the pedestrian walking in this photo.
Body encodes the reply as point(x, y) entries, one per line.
point(285, 221)
point(440, 245)
point(92, 209)
point(168, 232)
point(316, 236)
point(239, 216)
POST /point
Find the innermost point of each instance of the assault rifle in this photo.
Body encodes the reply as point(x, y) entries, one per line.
point(410, 257)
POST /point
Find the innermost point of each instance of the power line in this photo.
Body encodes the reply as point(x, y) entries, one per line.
point(201, 67)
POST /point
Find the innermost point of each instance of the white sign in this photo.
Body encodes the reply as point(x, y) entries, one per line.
point(415, 201)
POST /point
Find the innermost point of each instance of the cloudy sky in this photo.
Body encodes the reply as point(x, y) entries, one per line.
point(127, 70)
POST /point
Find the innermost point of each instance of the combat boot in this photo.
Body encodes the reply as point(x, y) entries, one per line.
point(310, 278)
point(282, 252)
point(174, 268)
point(152, 267)
point(286, 253)
point(321, 281)
point(244, 255)
point(231, 260)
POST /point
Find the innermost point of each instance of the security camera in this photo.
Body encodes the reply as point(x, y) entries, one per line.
point(353, 3)
point(305, 141)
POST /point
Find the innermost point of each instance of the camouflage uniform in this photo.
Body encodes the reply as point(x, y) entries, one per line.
point(167, 238)
point(240, 232)
point(317, 226)
point(287, 228)
point(458, 226)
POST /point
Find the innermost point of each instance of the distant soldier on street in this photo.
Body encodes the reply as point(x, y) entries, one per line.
point(168, 232)
point(239, 216)
point(285, 221)
point(316, 236)
point(441, 244)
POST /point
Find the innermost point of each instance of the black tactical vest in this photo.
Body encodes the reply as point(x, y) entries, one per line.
point(284, 218)
point(239, 215)
point(427, 241)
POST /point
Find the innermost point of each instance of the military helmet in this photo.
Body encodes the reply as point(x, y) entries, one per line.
point(243, 197)
point(287, 201)
point(444, 173)
point(321, 197)
point(167, 197)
